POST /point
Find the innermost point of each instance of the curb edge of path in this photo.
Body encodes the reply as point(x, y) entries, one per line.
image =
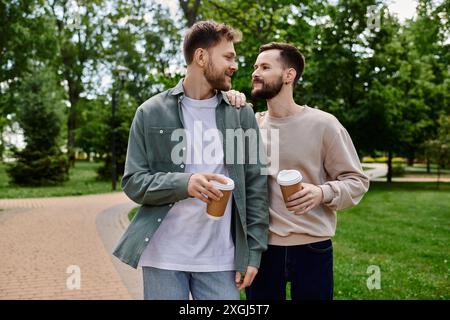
point(110, 224)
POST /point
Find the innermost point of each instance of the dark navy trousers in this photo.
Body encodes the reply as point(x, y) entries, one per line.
point(308, 267)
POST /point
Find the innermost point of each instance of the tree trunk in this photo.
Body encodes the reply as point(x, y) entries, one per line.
point(439, 168)
point(428, 165)
point(190, 12)
point(439, 176)
point(74, 96)
point(71, 135)
point(389, 163)
point(2, 145)
point(411, 161)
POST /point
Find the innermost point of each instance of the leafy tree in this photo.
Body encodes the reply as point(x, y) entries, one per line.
point(190, 10)
point(144, 38)
point(94, 133)
point(41, 162)
point(429, 32)
point(387, 77)
point(78, 30)
point(438, 150)
point(262, 22)
point(24, 41)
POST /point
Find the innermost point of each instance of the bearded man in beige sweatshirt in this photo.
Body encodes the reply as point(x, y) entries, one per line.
point(316, 144)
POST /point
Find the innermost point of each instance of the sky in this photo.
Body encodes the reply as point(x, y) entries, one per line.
point(404, 9)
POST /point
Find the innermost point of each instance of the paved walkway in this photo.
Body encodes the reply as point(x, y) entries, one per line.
point(378, 172)
point(41, 238)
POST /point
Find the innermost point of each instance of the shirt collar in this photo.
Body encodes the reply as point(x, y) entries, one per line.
point(179, 89)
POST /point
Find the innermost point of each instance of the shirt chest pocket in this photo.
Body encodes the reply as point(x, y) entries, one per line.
point(161, 142)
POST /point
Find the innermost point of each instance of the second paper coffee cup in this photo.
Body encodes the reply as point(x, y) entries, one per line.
point(290, 182)
point(216, 209)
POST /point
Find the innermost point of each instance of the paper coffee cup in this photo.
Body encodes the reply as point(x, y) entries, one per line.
point(290, 182)
point(216, 209)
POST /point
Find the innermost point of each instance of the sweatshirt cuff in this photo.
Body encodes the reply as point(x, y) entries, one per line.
point(254, 259)
point(328, 193)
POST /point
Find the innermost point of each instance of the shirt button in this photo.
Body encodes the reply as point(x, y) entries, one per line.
point(184, 148)
point(159, 220)
point(146, 239)
point(170, 204)
point(182, 166)
point(161, 131)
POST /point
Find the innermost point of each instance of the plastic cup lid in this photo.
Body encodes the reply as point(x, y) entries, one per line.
point(289, 177)
point(221, 186)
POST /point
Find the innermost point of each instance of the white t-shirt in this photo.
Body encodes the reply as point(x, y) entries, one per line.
point(188, 240)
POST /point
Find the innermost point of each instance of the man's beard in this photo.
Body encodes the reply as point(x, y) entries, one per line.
point(216, 79)
point(268, 90)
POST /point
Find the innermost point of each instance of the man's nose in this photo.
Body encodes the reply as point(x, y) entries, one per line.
point(234, 67)
point(255, 74)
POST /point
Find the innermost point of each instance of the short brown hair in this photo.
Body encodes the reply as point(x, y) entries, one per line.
point(290, 56)
point(206, 34)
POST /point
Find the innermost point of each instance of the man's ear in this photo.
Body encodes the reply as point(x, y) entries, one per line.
point(201, 57)
point(289, 76)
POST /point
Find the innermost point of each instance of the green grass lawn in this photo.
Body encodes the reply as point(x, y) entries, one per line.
point(132, 213)
point(82, 181)
point(403, 229)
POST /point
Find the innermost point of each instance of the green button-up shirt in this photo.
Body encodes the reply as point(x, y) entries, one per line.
point(153, 180)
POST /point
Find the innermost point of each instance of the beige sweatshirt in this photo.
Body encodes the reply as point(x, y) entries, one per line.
point(315, 143)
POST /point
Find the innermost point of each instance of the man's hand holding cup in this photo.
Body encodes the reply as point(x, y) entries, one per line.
point(200, 187)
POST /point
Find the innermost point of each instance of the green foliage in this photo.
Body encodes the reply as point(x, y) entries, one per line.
point(368, 160)
point(263, 22)
point(398, 170)
point(39, 115)
point(132, 213)
point(395, 160)
point(38, 169)
point(438, 150)
point(94, 134)
point(145, 39)
point(25, 39)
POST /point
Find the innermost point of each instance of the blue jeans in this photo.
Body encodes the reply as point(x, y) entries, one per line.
point(308, 267)
point(162, 284)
